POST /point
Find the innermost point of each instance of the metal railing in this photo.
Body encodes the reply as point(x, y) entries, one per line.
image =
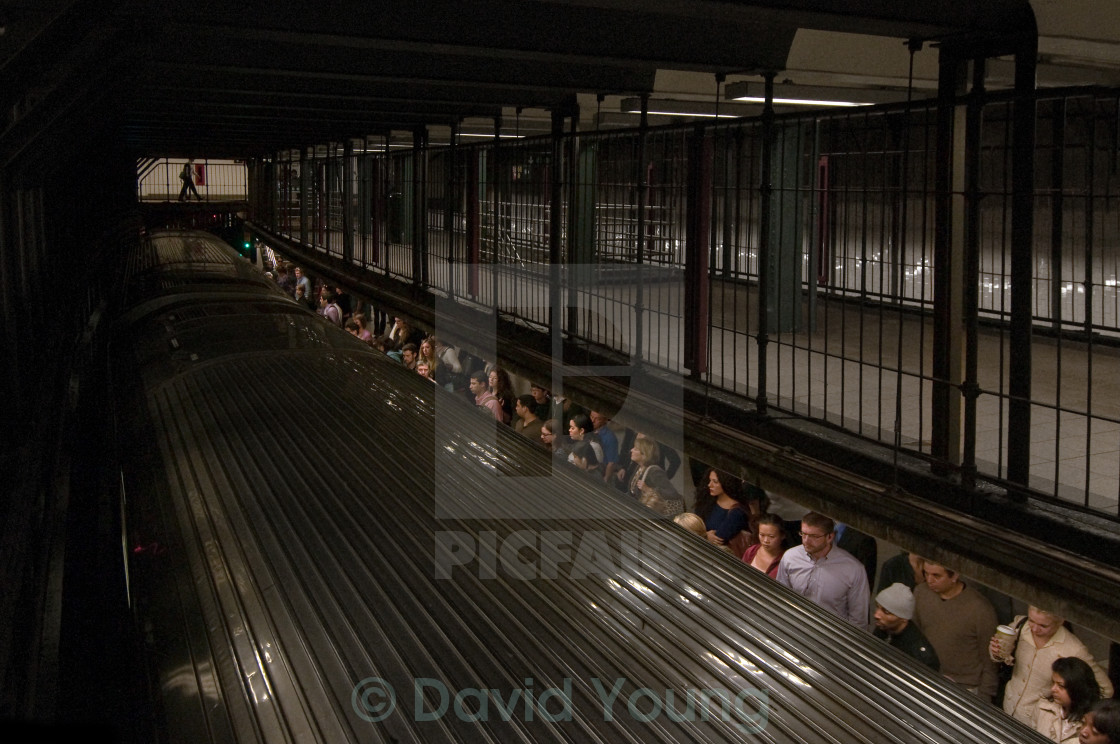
point(659, 234)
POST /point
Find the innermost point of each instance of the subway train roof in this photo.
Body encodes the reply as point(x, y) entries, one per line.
point(238, 79)
point(345, 528)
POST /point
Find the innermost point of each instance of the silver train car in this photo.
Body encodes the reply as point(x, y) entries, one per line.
point(324, 547)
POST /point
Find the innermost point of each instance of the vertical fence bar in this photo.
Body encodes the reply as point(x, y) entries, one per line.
point(319, 239)
point(422, 239)
point(555, 232)
point(474, 223)
point(765, 211)
point(741, 239)
point(1022, 234)
point(347, 201)
point(640, 232)
point(1090, 252)
point(304, 196)
point(697, 252)
point(970, 389)
point(579, 257)
point(950, 67)
point(495, 221)
point(377, 194)
point(419, 214)
point(449, 214)
point(1057, 209)
point(1090, 220)
point(326, 193)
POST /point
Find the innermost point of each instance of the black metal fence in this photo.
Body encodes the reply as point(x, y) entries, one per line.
point(830, 313)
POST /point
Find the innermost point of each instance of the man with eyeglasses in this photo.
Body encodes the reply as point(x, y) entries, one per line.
point(825, 574)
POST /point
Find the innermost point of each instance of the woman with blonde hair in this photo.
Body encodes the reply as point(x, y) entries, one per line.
point(648, 482)
point(1042, 638)
point(692, 523)
point(427, 353)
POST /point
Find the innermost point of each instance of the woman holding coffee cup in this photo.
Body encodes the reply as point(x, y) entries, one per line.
point(1041, 640)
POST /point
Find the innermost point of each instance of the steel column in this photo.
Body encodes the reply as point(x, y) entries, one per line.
point(449, 215)
point(377, 193)
point(1022, 235)
point(730, 197)
point(580, 201)
point(304, 196)
point(419, 213)
point(495, 217)
point(364, 205)
point(945, 424)
point(347, 200)
point(970, 388)
point(555, 235)
point(474, 223)
point(697, 252)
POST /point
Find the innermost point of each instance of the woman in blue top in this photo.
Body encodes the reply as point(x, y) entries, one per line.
point(725, 507)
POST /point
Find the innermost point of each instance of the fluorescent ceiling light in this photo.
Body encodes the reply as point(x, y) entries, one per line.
point(490, 135)
point(701, 109)
point(809, 96)
point(799, 101)
point(701, 114)
point(382, 148)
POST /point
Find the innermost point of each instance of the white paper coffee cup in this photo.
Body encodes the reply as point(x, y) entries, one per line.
point(1006, 635)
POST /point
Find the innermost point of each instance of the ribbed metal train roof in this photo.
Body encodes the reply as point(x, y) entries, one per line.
point(318, 571)
point(174, 259)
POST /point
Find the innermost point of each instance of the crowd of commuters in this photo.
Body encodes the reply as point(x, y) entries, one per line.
point(932, 613)
point(926, 610)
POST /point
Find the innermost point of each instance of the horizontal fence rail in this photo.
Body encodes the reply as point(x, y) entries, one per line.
point(831, 315)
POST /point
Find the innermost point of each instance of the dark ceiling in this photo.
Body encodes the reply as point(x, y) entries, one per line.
point(234, 79)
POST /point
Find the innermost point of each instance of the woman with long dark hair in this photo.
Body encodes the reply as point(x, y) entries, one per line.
point(502, 388)
point(727, 509)
point(580, 429)
point(1073, 692)
point(584, 458)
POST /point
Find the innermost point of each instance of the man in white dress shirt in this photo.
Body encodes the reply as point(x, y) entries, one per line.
point(825, 574)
